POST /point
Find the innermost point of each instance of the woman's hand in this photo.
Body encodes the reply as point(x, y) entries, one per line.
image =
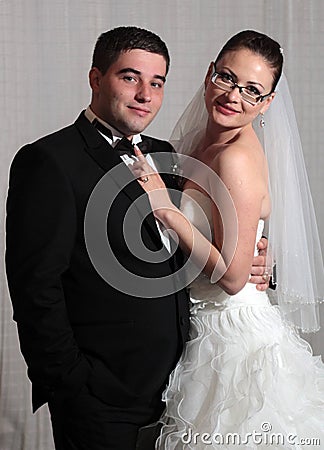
point(260, 273)
point(152, 183)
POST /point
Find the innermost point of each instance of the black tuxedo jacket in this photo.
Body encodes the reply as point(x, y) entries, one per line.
point(75, 328)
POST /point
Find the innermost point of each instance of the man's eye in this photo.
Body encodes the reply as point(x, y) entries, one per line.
point(129, 78)
point(157, 84)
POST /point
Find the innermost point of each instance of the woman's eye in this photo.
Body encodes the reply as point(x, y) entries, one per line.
point(226, 77)
point(253, 90)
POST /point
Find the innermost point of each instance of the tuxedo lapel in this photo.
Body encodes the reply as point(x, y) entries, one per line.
point(105, 156)
point(95, 145)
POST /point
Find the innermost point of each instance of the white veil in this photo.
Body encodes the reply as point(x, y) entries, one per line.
point(293, 239)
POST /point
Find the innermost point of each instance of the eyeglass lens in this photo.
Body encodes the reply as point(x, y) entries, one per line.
point(229, 85)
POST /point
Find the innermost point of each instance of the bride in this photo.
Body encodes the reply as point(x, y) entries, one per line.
point(245, 378)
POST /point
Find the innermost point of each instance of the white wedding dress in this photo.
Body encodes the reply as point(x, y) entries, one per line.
point(245, 379)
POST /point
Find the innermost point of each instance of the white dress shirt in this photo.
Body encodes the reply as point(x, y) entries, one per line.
point(117, 136)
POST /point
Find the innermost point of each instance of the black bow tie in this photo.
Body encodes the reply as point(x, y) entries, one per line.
point(124, 146)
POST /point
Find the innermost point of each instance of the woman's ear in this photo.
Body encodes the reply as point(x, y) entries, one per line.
point(209, 73)
point(267, 103)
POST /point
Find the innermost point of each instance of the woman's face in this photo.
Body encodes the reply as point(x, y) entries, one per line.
point(245, 68)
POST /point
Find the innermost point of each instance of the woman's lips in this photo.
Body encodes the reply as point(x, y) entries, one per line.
point(226, 110)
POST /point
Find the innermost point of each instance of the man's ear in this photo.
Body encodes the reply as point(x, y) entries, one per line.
point(209, 73)
point(94, 79)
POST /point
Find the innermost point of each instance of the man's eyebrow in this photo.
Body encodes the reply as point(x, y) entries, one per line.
point(129, 69)
point(137, 72)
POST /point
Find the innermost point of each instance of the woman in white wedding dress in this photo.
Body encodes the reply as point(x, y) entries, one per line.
point(245, 379)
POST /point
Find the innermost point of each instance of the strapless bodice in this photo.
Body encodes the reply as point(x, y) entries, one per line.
point(205, 295)
point(243, 366)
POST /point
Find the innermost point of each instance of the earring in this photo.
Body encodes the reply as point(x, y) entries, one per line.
point(262, 122)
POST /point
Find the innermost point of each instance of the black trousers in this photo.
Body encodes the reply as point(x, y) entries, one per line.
point(86, 423)
point(147, 437)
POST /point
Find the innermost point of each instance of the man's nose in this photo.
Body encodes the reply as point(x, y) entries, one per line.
point(144, 93)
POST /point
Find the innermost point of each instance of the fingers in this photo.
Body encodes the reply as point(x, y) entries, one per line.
point(262, 244)
point(147, 177)
point(140, 168)
point(138, 153)
point(141, 165)
point(257, 271)
point(262, 286)
point(258, 267)
point(260, 273)
point(260, 283)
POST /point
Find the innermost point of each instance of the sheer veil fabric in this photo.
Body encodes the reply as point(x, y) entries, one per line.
point(293, 239)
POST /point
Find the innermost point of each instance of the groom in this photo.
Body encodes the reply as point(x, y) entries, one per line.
point(97, 352)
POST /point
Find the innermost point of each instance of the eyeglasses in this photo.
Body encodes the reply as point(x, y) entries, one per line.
point(249, 94)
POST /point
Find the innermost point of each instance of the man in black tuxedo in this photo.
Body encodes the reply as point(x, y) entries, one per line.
point(98, 353)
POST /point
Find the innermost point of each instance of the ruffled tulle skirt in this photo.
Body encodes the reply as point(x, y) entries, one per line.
point(245, 381)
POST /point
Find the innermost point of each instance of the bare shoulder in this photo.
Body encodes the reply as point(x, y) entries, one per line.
point(243, 169)
point(238, 158)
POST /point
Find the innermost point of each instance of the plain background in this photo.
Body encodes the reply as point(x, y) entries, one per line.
point(45, 50)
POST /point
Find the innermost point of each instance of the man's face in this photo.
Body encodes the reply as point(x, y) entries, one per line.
point(130, 93)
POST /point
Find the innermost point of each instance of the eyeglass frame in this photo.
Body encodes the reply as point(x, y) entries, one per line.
point(258, 99)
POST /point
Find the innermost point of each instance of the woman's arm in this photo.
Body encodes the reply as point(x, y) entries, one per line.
point(243, 174)
point(229, 264)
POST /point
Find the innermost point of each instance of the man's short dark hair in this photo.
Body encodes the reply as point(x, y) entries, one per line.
point(112, 43)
